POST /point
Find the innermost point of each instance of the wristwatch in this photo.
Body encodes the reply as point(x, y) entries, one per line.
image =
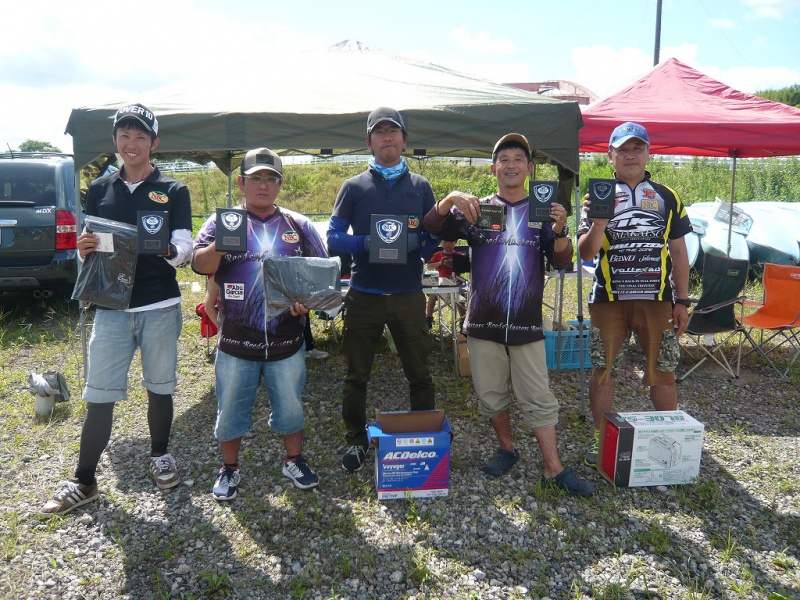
point(564, 233)
point(685, 301)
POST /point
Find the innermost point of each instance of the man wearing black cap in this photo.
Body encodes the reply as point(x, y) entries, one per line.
point(250, 349)
point(641, 282)
point(504, 329)
point(382, 294)
point(153, 320)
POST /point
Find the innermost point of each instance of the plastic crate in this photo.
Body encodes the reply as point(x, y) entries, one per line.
point(568, 346)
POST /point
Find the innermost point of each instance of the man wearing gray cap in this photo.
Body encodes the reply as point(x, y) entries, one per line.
point(641, 282)
point(153, 321)
point(382, 294)
point(249, 348)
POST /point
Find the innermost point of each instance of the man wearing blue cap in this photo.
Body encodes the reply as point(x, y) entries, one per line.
point(641, 281)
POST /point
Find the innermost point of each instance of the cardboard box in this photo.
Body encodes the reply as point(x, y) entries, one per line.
point(463, 356)
point(650, 448)
point(412, 454)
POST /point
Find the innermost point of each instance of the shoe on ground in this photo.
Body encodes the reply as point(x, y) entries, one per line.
point(164, 471)
point(590, 458)
point(71, 494)
point(429, 321)
point(353, 459)
point(318, 354)
point(501, 462)
point(300, 473)
point(567, 480)
point(227, 484)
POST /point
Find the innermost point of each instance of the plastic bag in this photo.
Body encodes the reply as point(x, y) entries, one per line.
point(314, 282)
point(106, 277)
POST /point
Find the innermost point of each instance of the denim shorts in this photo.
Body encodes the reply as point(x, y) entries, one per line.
point(116, 335)
point(237, 382)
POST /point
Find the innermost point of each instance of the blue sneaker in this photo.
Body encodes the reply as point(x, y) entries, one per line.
point(227, 484)
point(501, 462)
point(300, 473)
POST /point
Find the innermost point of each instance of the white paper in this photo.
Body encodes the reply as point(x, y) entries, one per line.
point(106, 242)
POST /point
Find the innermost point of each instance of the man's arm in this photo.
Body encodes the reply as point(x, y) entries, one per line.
point(339, 240)
point(680, 277)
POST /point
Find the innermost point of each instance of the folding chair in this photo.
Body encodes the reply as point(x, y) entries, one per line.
point(723, 282)
point(780, 314)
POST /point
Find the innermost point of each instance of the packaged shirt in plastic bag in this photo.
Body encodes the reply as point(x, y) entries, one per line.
point(312, 281)
point(106, 277)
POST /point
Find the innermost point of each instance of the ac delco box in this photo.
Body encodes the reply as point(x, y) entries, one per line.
point(650, 448)
point(412, 454)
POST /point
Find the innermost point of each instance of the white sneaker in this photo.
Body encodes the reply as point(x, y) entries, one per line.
point(318, 354)
point(164, 471)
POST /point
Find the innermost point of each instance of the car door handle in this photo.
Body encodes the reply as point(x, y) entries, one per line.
point(8, 222)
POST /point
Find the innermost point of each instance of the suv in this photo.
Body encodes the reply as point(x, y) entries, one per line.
point(38, 227)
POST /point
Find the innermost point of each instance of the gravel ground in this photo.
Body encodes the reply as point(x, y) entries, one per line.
point(733, 534)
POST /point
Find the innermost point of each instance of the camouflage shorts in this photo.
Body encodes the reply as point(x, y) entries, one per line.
point(669, 355)
point(597, 353)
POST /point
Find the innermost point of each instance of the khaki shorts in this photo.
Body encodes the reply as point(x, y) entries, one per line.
point(499, 371)
point(651, 321)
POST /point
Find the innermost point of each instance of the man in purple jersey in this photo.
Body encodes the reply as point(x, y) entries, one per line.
point(248, 348)
point(504, 317)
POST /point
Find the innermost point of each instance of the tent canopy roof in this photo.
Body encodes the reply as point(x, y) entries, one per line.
point(318, 104)
point(686, 112)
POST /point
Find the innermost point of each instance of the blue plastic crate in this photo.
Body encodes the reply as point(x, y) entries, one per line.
point(568, 346)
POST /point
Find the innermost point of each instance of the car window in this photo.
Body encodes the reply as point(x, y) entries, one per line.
point(20, 181)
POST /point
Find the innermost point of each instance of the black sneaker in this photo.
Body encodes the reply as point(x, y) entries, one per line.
point(501, 462)
point(353, 459)
point(227, 484)
point(300, 473)
point(590, 459)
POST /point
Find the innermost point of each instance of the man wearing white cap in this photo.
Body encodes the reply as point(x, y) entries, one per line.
point(641, 282)
point(503, 326)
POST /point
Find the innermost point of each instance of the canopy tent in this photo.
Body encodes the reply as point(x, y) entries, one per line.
point(686, 112)
point(319, 103)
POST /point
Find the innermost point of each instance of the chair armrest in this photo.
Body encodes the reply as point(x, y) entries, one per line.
point(713, 307)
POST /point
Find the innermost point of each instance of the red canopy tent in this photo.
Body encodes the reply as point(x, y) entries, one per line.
point(686, 112)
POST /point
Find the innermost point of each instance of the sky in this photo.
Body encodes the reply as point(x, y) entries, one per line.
point(57, 55)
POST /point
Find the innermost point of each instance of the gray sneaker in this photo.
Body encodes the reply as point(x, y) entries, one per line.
point(227, 484)
point(590, 459)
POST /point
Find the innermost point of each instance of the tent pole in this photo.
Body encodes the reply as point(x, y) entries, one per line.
point(229, 200)
point(579, 268)
point(730, 211)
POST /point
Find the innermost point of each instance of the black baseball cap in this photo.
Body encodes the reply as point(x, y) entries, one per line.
point(384, 113)
point(140, 113)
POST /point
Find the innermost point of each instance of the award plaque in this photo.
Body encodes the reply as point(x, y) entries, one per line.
point(540, 195)
point(231, 232)
point(492, 217)
point(388, 239)
point(153, 231)
point(603, 195)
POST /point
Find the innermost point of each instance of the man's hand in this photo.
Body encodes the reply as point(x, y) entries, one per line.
point(87, 243)
point(298, 309)
point(680, 318)
point(468, 204)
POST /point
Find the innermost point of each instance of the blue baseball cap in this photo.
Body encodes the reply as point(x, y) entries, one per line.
point(627, 131)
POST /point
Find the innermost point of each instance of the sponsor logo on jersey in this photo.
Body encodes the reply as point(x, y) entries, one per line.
point(152, 223)
point(389, 230)
point(637, 222)
point(291, 237)
point(159, 197)
point(234, 291)
point(413, 222)
point(648, 193)
point(650, 204)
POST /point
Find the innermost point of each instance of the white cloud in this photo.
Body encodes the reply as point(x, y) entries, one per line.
point(722, 23)
point(481, 42)
point(772, 9)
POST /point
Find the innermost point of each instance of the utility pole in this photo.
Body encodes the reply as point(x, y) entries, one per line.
point(658, 33)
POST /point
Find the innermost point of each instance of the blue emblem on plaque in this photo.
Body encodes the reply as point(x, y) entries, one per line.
point(389, 230)
point(602, 190)
point(543, 193)
point(231, 220)
point(152, 223)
